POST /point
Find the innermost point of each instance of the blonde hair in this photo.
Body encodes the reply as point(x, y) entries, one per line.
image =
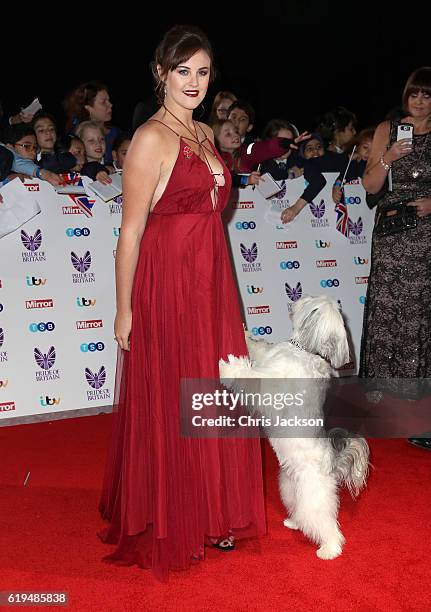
point(85, 125)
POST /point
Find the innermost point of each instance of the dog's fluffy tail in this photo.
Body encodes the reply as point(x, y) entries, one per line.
point(351, 461)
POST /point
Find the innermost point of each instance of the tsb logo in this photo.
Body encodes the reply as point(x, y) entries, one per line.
point(352, 200)
point(77, 231)
point(35, 282)
point(262, 331)
point(41, 327)
point(116, 231)
point(81, 302)
point(362, 299)
point(240, 225)
point(321, 244)
point(330, 283)
point(359, 261)
point(289, 265)
point(252, 289)
point(92, 347)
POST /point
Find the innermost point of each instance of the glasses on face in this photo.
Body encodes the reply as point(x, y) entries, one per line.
point(27, 146)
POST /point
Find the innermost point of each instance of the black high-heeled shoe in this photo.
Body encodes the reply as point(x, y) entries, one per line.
point(224, 544)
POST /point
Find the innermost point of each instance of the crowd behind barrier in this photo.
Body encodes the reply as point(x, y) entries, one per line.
point(57, 291)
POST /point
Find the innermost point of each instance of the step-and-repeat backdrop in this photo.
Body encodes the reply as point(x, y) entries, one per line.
point(57, 289)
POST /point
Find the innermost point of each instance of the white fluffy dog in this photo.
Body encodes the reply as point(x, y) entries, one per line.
point(313, 466)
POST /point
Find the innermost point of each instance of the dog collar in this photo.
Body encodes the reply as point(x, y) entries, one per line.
point(297, 344)
point(301, 348)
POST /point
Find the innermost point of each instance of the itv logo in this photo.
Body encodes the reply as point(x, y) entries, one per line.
point(49, 401)
point(322, 244)
point(84, 302)
point(35, 282)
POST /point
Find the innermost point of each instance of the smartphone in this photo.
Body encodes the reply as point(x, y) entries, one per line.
point(405, 130)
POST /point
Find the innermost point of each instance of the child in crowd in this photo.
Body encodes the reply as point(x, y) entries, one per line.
point(288, 165)
point(314, 147)
point(93, 138)
point(337, 128)
point(50, 157)
point(363, 142)
point(243, 159)
point(119, 150)
point(21, 142)
point(242, 115)
point(22, 139)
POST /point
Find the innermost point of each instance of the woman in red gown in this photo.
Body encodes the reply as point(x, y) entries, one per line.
point(165, 495)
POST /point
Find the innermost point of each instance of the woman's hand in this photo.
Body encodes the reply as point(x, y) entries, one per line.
point(399, 149)
point(103, 177)
point(254, 178)
point(423, 206)
point(122, 327)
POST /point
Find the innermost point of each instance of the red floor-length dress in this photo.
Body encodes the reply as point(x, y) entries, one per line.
point(164, 494)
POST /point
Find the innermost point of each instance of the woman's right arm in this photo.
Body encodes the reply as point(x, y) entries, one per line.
point(381, 158)
point(141, 176)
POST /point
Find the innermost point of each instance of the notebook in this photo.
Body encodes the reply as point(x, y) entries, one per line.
point(268, 186)
point(108, 192)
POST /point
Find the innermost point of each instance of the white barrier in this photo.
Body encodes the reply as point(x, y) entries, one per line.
point(276, 264)
point(57, 289)
point(57, 350)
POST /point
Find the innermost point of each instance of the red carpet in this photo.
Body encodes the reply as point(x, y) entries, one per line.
point(49, 543)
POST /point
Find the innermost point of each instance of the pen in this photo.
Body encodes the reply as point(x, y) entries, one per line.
point(258, 170)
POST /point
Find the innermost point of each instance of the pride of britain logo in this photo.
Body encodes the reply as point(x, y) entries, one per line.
point(82, 265)
point(279, 200)
point(32, 245)
point(46, 362)
point(355, 231)
point(293, 293)
point(3, 354)
point(96, 380)
point(250, 256)
point(318, 211)
point(116, 206)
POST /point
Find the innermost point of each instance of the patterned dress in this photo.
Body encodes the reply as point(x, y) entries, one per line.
point(396, 339)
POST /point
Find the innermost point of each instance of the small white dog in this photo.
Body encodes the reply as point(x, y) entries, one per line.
point(312, 467)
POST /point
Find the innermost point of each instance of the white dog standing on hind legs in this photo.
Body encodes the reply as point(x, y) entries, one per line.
point(311, 468)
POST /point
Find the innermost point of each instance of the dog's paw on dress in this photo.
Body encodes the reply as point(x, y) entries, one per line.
point(290, 523)
point(329, 551)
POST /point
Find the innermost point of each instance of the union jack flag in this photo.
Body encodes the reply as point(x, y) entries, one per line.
point(342, 223)
point(71, 178)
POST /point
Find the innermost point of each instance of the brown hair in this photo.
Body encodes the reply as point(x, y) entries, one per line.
point(75, 102)
point(177, 46)
point(358, 139)
point(222, 95)
point(419, 80)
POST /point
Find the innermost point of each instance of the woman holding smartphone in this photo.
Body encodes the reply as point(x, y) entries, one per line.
point(396, 342)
